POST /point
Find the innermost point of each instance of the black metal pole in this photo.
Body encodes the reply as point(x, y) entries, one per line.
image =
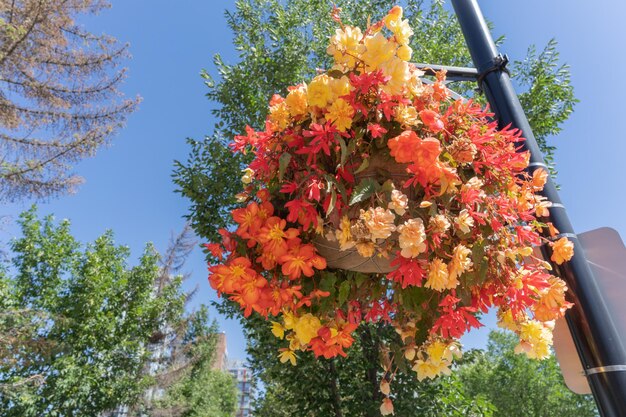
point(594, 330)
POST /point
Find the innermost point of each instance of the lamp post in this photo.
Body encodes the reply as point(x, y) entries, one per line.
point(593, 327)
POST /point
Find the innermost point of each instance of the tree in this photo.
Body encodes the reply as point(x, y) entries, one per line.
point(77, 324)
point(202, 391)
point(518, 386)
point(59, 98)
point(281, 44)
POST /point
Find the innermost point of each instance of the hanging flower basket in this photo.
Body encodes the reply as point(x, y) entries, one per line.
point(374, 197)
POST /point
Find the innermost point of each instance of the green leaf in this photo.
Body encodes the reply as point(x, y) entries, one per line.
point(327, 283)
point(344, 290)
point(283, 163)
point(333, 201)
point(360, 278)
point(344, 150)
point(366, 188)
point(363, 166)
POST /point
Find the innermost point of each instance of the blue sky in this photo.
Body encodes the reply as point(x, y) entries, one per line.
point(128, 186)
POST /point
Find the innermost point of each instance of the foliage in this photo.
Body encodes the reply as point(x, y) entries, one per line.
point(78, 325)
point(267, 34)
point(549, 97)
point(59, 100)
point(200, 391)
point(517, 386)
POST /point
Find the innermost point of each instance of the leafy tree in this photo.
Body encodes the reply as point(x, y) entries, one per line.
point(77, 324)
point(58, 94)
point(202, 391)
point(518, 386)
point(280, 43)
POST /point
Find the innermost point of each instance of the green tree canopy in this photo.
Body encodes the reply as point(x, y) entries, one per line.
point(518, 386)
point(79, 326)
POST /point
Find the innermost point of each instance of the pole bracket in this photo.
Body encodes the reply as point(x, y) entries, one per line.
point(498, 63)
point(603, 369)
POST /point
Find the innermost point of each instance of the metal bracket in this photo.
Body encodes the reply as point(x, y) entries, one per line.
point(498, 63)
point(603, 369)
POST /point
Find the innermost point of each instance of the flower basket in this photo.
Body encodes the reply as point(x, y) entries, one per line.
point(373, 197)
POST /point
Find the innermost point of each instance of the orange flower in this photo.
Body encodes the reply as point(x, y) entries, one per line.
point(301, 259)
point(274, 238)
point(248, 219)
point(403, 146)
point(562, 250)
point(227, 278)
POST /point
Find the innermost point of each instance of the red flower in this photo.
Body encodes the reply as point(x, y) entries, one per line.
point(376, 130)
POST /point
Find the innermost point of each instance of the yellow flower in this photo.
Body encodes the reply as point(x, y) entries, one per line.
point(306, 328)
point(318, 92)
point(402, 32)
point(414, 84)
point(460, 263)
point(392, 18)
point(366, 249)
point(439, 360)
point(398, 72)
point(535, 339)
point(289, 320)
point(278, 330)
point(438, 278)
point(345, 46)
point(339, 87)
point(406, 115)
point(506, 320)
point(464, 222)
point(248, 176)
point(412, 238)
point(279, 116)
point(287, 355)
point(341, 114)
point(562, 250)
point(378, 50)
point(379, 222)
point(344, 235)
point(404, 52)
point(399, 202)
point(297, 101)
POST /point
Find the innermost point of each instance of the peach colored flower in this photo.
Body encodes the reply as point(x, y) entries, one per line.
point(460, 263)
point(399, 202)
point(412, 238)
point(378, 50)
point(464, 222)
point(439, 223)
point(398, 72)
point(346, 46)
point(379, 222)
point(438, 278)
point(540, 177)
